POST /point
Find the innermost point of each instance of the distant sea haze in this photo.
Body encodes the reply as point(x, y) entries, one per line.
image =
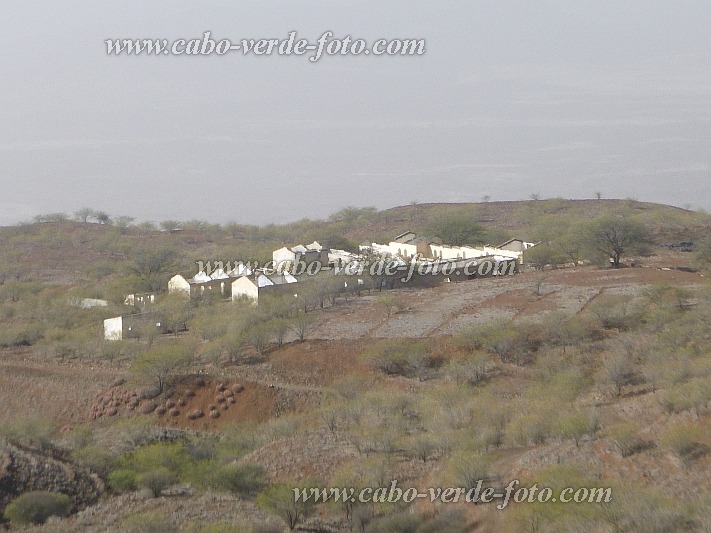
point(278, 175)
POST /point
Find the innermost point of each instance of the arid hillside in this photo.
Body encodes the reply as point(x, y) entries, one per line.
point(582, 376)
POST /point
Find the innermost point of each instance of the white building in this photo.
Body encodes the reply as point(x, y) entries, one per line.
point(253, 287)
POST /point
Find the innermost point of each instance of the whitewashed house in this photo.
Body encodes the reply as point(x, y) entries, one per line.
point(285, 258)
point(113, 329)
point(408, 246)
point(88, 303)
point(252, 287)
point(200, 284)
point(128, 326)
point(178, 284)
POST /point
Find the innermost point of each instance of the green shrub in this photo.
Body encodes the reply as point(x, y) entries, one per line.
point(530, 428)
point(627, 440)
point(123, 480)
point(576, 425)
point(694, 395)
point(543, 255)
point(171, 456)
point(559, 380)
point(36, 507)
point(19, 335)
point(686, 441)
point(466, 470)
point(96, 458)
point(148, 522)
point(472, 370)
point(562, 329)
point(617, 312)
point(244, 480)
point(401, 357)
point(511, 342)
point(33, 431)
point(278, 499)
point(156, 481)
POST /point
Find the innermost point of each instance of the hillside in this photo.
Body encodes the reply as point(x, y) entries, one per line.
point(522, 217)
point(68, 252)
point(586, 376)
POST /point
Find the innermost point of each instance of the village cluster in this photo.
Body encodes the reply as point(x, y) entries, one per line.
point(405, 256)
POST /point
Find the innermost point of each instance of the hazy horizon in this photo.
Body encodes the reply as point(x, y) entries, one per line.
point(509, 100)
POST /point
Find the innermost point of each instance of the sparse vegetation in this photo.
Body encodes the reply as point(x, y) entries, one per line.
point(395, 357)
point(442, 386)
point(36, 507)
point(148, 522)
point(160, 364)
point(279, 500)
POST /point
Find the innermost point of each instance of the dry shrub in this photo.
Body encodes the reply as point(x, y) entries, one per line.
point(687, 440)
point(147, 408)
point(628, 441)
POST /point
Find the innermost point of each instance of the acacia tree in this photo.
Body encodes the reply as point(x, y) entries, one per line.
point(160, 364)
point(330, 288)
point(279, 500)
point(233, 228)
point(152, 265)
point(84, 214)
point(390, 302)
point(123, 222)
point(175, 310)
point(102, 217)
point(541, 256)
point(309, 296)
point(614, 236)
point(458, 229)
point(571, 240)
point(301, 324)
point(259, 336)
point(171, 226)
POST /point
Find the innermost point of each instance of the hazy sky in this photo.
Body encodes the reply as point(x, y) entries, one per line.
point(559, 98)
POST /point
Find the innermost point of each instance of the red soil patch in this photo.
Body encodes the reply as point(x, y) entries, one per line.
point(319, 362)
point(253, 404)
